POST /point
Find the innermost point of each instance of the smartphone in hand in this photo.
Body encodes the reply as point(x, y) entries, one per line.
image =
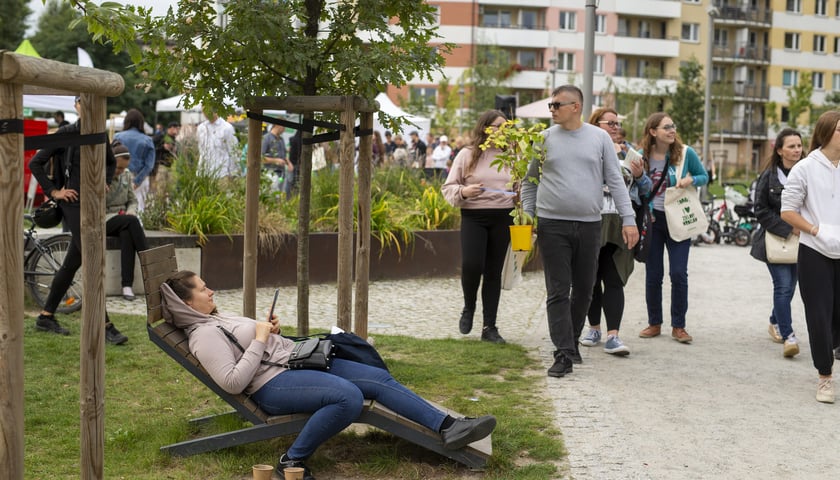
point(273, 304)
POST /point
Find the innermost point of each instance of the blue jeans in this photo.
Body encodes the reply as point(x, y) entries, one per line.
point(677, 271)
point(335, 400)
point(569, 252)
point(784, 285)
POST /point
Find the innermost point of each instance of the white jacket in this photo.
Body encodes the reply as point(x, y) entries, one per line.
point(813, 190)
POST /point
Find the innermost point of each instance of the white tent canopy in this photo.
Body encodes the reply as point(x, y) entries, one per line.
point(415, 123)
point(538, 109)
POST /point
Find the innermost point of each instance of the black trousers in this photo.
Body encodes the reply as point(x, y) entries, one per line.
point(819, 286)
point(132, 240)
point(72, 260)
point(608, 293)
point(484, 241)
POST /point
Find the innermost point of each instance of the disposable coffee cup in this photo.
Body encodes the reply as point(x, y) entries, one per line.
point(293, 473)
point(263, 472)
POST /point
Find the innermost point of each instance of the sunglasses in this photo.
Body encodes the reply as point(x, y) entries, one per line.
point(610, 123)
point(670, 126)
point(557, 105)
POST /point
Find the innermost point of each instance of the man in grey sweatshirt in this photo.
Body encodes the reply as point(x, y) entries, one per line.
point(579, 160)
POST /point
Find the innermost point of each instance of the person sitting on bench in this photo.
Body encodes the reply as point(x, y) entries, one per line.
point(121, 219)
point(334, 397)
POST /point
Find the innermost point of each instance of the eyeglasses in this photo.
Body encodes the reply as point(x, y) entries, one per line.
point(557, 105)
point(670, 126)
point(610, 123)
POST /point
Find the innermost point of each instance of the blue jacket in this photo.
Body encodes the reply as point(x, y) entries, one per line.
point(692, 165)
point(142, 150)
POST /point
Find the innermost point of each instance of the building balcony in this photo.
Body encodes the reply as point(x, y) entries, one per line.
point(646, 47)
point(730, 13)
point(739, 91)
point(740, 128)
point(512, 37)
point(649, 8)
point(741, 53)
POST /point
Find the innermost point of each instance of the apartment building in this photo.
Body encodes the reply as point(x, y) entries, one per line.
point(759, 49)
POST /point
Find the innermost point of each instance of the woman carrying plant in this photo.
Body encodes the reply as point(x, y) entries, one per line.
point(244, 355)
point(482, 193)
point(768, 203)
point(615, 260)
point(809, 204)
point(663, 156)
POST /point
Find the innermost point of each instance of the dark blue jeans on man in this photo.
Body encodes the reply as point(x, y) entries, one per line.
point(784, 286)
point(677, 271)
point(569, 252)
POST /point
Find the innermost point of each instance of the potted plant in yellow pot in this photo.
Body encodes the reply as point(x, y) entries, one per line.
point(517, 145)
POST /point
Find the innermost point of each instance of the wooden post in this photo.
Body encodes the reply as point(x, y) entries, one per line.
point(92, 348)
point(304, 205)
point(11, 287)
point(252, 208)
point(345, 217)
point(363, 237)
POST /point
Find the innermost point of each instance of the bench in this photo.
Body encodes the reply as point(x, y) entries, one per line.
point(157, 264)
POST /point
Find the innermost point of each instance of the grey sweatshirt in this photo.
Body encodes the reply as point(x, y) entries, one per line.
point(577, 165)
point(230, 368)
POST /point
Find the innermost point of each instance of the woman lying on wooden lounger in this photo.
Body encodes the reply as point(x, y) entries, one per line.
point(334, 398)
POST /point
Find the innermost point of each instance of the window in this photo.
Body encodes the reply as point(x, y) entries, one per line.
point(835, 82)
point(791, 41)
point(599, 64)
point(790, 78)
point(794, 6)
point(718, 73)
point(624, 27)
point(529, 59)
point(568, 21)
point(817, 79)
point(644, 29)
point(837, 45)
point(426, 95)
point(691, 1)
point(620, 67)
point(528, 19)
point(785, 117)
point(601, 24)
point(821, 8)
point(496, 18)
point(565, 62)
point(837, 8)
point(691, 32)
point(819, 43)
point(721, 37)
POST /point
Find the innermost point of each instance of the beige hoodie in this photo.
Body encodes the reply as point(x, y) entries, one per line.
point(235, 371)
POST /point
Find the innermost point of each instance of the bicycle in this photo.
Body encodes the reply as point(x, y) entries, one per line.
point(41, 261)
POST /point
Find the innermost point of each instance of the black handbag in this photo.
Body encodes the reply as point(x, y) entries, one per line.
point(312, 354)
point(350, 346)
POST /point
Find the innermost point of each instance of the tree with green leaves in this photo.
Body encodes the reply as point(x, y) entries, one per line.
point(799, 99)
point(687, 102)
point(637, 100)
point(13, 26)
point(61, 29)
point(487, 78)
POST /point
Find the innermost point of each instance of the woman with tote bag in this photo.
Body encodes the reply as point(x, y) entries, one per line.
point(768, 202)
point(664, 156)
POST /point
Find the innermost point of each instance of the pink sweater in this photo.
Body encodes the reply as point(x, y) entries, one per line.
point(488, 176)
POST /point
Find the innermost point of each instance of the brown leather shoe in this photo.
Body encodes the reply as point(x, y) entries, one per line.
point(681, 335)
point(651, 331)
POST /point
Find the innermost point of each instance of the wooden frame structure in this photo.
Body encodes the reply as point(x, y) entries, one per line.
point(20, 74)
point(157, 264)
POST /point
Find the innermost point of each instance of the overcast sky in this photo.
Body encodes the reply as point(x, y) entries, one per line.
point(158, 8)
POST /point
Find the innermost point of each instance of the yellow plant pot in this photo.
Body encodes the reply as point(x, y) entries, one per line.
point(520, 237)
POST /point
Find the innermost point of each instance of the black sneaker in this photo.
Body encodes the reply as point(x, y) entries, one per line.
point(113, 336)
point(467, 430)
point(575, 357)
point(465, 324)
point(286, 462)
point(491, 334)
point(48, 323)
point(562, 365)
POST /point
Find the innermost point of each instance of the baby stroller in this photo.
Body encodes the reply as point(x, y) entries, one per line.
point(736, 228)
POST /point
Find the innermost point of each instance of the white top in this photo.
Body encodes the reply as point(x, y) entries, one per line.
point(441, 155)
point(218, 148)
point(813, 189)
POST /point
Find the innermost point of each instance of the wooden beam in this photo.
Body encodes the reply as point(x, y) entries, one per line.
point(363, 237)
point(36, 90)
point(17, 68)
point(304, 214)
point(11, 288)
point(252, 209)
point(92, 341)
point(345, 217)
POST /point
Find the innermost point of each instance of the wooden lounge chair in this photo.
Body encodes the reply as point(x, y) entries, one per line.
point(157, 265)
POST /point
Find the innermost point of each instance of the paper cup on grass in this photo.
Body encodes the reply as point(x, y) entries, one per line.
point(263, 472)
point(293, 473)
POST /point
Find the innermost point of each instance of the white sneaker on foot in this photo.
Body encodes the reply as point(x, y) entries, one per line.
point(592, 338)
point(128, 293)
point(825, 390)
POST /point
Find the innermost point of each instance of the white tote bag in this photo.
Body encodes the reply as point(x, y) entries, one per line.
point(512, 269)
point(683, 210)
point(781, 249)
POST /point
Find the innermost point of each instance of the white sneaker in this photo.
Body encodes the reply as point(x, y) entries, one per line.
point(791, 347)
point(592, 338)
point(128, 293)
point(825, 391)
point(773, 330)
point(615, 346)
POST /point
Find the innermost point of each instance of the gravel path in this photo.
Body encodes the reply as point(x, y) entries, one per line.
point(727, 406)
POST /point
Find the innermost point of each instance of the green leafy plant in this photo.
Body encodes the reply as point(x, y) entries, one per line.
point(433, 212)
point(518, 146)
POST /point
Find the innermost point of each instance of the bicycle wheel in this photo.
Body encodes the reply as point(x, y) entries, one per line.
point(40, 268)
point(742, 237)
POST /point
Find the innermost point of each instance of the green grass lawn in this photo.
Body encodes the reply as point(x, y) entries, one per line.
point(149, 398)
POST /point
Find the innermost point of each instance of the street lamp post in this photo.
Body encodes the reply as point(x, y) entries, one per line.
point(461, 109)
point(553, 71)
point(707, 106)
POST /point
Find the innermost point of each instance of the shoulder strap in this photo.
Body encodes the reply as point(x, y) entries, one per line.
point(680, 167)
point(234, 341)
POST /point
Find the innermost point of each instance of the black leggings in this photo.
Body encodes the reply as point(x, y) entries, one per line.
point(484, 241)
point(819, 282)
point(72, 260)
point(610, 296)
point(132, 240)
